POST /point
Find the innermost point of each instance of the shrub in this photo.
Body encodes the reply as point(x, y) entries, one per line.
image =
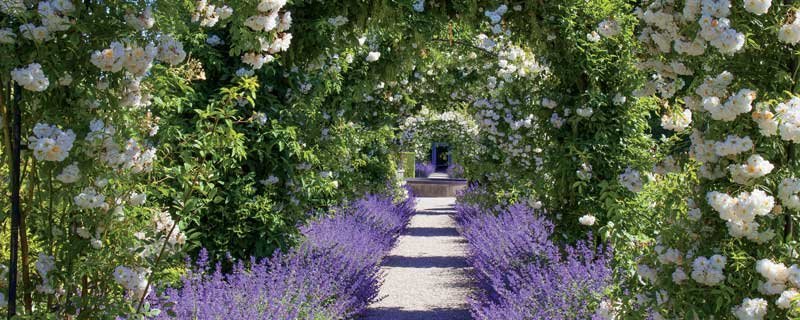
point(455, 171)
point(523, 274)
point(334, 273)
point(424, 170)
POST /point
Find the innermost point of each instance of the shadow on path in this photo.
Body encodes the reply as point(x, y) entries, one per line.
point(448, 209)
point(432, 314)
point(434, 213)
point(425, 262)
point(431, 232)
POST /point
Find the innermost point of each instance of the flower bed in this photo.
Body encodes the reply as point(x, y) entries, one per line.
point(523, 274)
point(455, 171)
point(424, 170)
point(333, 274)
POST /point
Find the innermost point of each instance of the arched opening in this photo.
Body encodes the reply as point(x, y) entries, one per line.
point(441, 156)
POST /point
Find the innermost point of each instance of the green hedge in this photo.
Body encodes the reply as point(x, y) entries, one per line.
point(409, 162)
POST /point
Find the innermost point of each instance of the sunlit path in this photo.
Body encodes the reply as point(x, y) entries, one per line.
point(426, 274)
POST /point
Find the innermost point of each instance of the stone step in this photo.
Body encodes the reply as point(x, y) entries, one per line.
point(436, 187)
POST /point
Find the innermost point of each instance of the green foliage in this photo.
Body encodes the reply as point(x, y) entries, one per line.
point(409, 163)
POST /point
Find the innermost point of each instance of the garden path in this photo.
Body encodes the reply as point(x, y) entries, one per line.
point(439, 175)
point(427, 273)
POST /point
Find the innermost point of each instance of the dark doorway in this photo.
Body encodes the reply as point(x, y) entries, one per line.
point(441, 155)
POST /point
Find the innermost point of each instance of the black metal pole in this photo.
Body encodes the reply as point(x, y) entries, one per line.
point(15, 202)
point(788, 228)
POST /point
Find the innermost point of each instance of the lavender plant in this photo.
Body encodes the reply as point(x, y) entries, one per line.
point(424, 170)
point(455, 171)
point(523, 274)
point(333, 274)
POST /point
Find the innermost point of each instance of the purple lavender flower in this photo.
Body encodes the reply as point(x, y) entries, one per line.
point(424, 170)
point(522, 274)
point(455, 171)
point(333, 274)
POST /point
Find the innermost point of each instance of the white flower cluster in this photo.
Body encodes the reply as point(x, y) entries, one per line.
point(679, 276)
point(666, 81)
point(485, 43)
point(54, 16)
point(143, 21)
point(619, 99)
point(132, 95)
point(50, 143)
point(269, 17)
point(732, 145)
point(11, 6)
point(740, 213)
point(338, 21)
point(606, 310)
point(209, 15)
point(271, 180)
point(741, 102)
point(777, 276)
point(44, 265)
point(549, 104)
point(7, 36)
point(677, 122)
point(593, 36)
point(631, 179)
point(31, 77)
point(767, 123)
point(170, 50)
point(709, 271)
point(751, 309)
point(496, 15)
point(789, 193)
point(32, 32)
point(665, 23)
point(556, 120)
point(702, 150)
point(788, 299)
point(717, 31)
point(714, 87)
point(585, 172)
point(515, 61)
point(164, 224)
point(373, 56)
point(214, 40)
point(256, 60)
point(756, 167)
point(790, 32)
point(694, 213)
point(101, 136)
point(137, 199)
point(789, 112)
point(90, 199)
point(609, 28)
point(135, 59)
point(585, 112)
point(132, 279)
point(587, 220)
point(646, 273)
point(419, 6)
point(70, 174)
point(757, 7)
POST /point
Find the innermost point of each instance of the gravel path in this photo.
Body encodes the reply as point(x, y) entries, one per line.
point(426, 274)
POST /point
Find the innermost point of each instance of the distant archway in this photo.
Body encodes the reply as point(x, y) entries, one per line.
point(441, 156)
point(441, 139)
